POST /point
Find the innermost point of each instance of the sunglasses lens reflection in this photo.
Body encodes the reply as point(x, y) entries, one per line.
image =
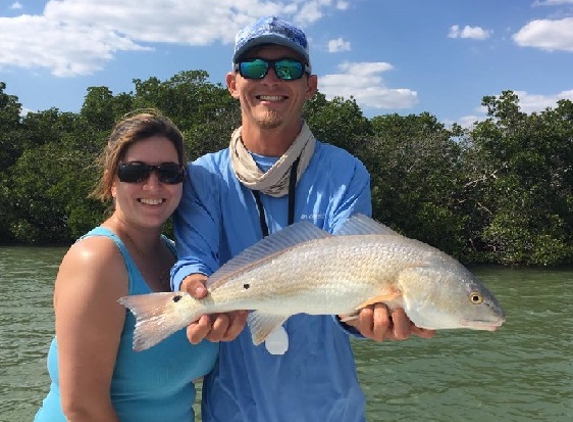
point(285, 69)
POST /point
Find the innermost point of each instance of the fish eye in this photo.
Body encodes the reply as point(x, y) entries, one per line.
point(476, 298)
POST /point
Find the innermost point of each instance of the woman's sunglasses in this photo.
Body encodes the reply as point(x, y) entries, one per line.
point(137, 172)
point(285, 69)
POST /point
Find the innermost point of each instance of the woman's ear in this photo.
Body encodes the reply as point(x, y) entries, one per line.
point(113, 190)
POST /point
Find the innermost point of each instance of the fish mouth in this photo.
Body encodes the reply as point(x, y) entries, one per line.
point(483, 325)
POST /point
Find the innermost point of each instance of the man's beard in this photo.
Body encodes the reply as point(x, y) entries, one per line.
point(271, 120)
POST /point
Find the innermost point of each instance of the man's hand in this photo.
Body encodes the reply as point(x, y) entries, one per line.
point(377, 323)
point(213, 327)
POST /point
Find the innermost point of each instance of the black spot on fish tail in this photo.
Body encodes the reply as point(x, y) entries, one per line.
point(177, 298)
point(246, 285)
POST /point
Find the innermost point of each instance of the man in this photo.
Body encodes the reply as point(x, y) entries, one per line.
point(275, 173)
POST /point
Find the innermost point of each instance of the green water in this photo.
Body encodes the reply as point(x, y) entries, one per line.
point(521, 373)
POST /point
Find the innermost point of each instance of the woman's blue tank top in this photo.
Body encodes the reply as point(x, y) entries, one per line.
point(148, 386)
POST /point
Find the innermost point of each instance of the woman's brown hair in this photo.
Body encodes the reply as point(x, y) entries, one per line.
point(132, 128)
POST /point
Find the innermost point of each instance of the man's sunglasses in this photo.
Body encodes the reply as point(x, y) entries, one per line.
point(285, 69)
point(137, 172)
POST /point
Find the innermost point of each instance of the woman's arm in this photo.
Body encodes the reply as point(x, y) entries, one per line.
point(89, 323)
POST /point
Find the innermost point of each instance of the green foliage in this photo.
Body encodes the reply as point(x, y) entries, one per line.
point(98, 108)
point(500, 192)
point(50, 180)
point(415, 167)
point(519, 167)
point(38, 207)
point(11, 147)
point(204, 112)
point(10, 128)
point(339, 122)
point(515, 239)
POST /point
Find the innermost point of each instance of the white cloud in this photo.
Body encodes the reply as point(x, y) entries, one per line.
point(16, 6)
point(362, 81)
point(24, 111)
point(467, 122)
point(65, 49)
point(530, 103)
point(473, 32)
point(552, 2)
point(78, 37)
point(470, 121)
point(547, 34)
point(337, 45)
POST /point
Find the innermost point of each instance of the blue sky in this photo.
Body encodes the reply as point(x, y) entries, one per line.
point(393, 56)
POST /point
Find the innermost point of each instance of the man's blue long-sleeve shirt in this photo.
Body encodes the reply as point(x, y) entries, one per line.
point(315, 380)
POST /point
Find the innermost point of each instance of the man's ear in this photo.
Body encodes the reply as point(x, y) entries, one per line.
point(311, 86)
point(231, 80)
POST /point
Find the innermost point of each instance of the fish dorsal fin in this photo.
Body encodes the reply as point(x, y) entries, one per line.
point(283, 239)
point(359, 224)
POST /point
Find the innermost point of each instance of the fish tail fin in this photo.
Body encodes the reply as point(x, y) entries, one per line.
point(158, 315)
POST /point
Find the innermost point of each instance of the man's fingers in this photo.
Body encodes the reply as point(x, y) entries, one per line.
point(219, 328)
point(365, 321)
point(377, 323)
point(237, 323)
point(228, 326)
point(423, 332)
point(197, 331)
point(381, 322)
point(195, 285)
point(402, 326)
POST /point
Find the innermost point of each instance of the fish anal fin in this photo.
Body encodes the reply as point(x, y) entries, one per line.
point(261, 325)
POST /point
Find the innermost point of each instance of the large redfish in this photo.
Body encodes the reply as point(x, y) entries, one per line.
point(303, 269)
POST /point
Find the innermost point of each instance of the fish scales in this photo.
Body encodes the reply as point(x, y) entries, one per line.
point(318, 277)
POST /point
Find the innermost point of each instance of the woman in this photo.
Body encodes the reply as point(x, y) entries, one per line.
point(96, 376)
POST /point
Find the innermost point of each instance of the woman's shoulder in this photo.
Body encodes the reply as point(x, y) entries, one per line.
point(93, 250)
point(93, 261)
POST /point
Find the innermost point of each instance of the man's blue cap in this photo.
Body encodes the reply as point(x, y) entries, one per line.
point(271, 30)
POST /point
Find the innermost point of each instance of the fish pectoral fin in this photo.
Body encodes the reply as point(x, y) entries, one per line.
point(385, 298)
point(261, 325)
